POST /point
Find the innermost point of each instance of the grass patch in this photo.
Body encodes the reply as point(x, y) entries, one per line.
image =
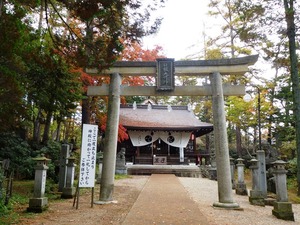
point(291, 186)
point(292, 190)
point(19, 201)
point(121, 176)
point(10, 214)
point(24, 187)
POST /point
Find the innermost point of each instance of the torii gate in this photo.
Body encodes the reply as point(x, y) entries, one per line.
point(164, 71)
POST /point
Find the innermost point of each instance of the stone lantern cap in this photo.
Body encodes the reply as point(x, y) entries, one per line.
point(72, 158)
point(254, 163)
point(240, 160)
point(41, 160)
point(279, 164)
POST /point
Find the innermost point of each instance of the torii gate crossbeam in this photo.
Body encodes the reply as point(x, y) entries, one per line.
point(235, 66)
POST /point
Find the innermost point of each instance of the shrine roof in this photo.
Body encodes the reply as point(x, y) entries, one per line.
point(179, 118)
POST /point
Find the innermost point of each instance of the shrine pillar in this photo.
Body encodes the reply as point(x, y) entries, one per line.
point(181, 155)
point(221, 145)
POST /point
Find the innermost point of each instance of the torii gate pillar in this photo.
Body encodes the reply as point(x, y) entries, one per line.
point(111, 140)
point(221, 144)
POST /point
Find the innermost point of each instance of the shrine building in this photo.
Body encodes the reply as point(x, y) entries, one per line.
point(162, 135)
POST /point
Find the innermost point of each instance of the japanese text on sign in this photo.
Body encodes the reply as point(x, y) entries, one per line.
point(88, 155)
point(165, 74)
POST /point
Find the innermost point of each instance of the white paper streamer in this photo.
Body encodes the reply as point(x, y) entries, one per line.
point(176, 139)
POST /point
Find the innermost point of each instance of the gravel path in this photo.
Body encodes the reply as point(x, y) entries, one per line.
point(205, 193)
point(202, 190)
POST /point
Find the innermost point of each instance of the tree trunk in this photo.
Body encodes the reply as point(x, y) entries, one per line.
point(37, 128)
point(41, 16)
point(85, 100)
point(47, 128)
point(85, 111)
point(238, 141)
point(1, 7)
point(291, 33)
point(58, 130)
point(271, 119)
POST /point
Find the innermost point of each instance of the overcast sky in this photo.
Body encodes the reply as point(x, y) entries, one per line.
point(181, 32)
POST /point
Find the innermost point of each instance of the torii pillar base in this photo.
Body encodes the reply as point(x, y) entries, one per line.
point(232, 205)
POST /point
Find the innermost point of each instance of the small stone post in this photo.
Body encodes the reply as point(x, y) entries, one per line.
point(212, 171)
point(99, 170)
point(232, 172)
point(262, 172)
point(64, 155)
point(240, 187)
point(121, 162)
point(256, 197)
point(69, 189)
point(39, 203)
point(100, 164)
point(282, 208)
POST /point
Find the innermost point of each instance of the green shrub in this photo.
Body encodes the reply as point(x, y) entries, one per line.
point(4, 210)
point(292, 167)
point(52, 151)
point(18, 152)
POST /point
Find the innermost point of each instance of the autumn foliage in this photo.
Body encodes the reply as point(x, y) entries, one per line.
point(135, 52)
point(122, 134)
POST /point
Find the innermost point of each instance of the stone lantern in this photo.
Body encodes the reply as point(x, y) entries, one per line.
point(39, 203)
point(69, 189)
point(240, 187)
point(282, 208)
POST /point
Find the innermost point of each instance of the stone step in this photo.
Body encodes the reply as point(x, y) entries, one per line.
point(178, 170)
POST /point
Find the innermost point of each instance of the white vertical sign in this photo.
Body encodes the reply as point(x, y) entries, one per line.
point(88, 155)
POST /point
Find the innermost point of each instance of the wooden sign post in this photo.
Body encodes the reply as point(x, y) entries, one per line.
point(87, 161)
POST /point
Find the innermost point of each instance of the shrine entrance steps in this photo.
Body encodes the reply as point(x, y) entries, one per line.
point(164, 200)
point(177, 170)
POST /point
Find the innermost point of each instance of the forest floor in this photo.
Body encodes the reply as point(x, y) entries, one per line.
point(126, 191)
